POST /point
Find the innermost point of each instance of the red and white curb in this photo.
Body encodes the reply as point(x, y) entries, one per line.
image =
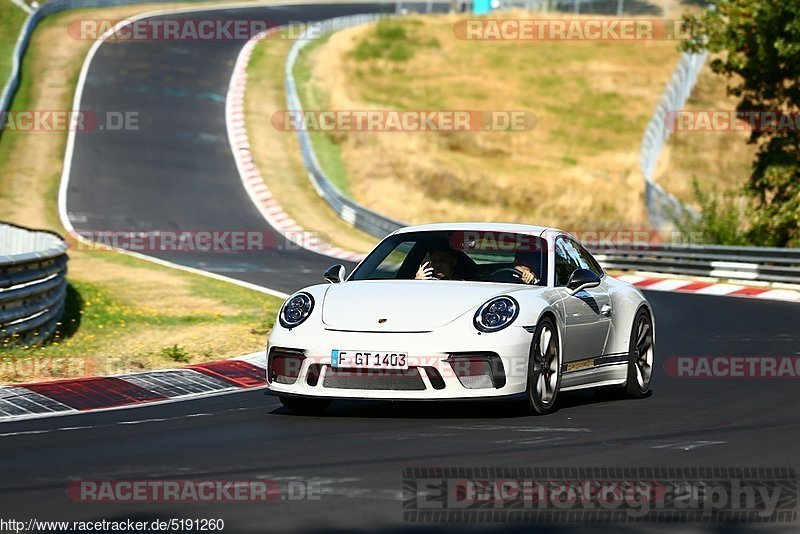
point(248, 170)
point(709, 287)
point(65, 397)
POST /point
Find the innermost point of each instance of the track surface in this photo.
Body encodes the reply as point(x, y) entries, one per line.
point(178, 174)
point(360, 448)
point(177, 171)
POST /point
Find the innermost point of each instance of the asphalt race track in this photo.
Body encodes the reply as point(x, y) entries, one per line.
point(178, 173)
point(357, 450)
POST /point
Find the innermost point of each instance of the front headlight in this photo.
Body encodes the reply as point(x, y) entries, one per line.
point(296, 310)
point(496, 314)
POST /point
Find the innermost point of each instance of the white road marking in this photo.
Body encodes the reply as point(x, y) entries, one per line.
point(533, 441)
point(132, 422)
point(25, 433)
point(520, 429)
point(416, 436)
point(684, 445)
point(155, 420)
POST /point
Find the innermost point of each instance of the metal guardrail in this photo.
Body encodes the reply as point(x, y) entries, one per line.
point(661, 206)
point(33, 283)
point(652, 8)
point(350, 211)
point(737, 263)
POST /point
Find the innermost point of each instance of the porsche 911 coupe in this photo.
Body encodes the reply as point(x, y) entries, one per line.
point(463, 311)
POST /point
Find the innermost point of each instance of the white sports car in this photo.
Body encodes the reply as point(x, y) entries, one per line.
point(462, 311)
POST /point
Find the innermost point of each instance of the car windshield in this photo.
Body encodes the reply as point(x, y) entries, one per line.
point(472, 256)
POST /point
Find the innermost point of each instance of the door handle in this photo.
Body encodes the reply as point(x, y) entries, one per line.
point(606, 310)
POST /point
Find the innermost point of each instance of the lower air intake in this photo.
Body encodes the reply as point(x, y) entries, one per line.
point(478, 370)
point(283, 365)
point(373, 379)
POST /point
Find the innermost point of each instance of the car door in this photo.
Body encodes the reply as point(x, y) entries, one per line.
point(587, 313)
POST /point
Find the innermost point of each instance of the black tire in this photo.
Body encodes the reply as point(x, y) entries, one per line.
point(305, 406)
point(544, 368)
point(640, 355)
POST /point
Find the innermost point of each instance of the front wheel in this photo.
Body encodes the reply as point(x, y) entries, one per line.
point(544, 368)
point(305, 406)
point(640, 355)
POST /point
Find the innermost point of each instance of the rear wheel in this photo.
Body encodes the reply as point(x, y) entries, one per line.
point(640, 355)
point(305, 406)
point(544, 368)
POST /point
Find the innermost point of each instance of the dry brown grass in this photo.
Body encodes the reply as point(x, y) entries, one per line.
point(577, 168)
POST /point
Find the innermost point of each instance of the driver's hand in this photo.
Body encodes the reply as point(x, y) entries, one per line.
point(526, 274)
point(425, 272)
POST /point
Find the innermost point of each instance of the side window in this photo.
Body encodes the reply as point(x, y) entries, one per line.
point(565, 262)
point(588, 261)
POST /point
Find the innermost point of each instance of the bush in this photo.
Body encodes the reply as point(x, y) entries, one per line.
point(721, 221)
point(393, 40)
point(176, 353)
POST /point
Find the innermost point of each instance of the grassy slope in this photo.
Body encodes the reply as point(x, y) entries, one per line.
point(313, 97)
point(578, 168)
point(123, 313)
point(277, 153)
point(11, 19)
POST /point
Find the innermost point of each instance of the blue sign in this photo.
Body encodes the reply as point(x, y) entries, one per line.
point(481, 7)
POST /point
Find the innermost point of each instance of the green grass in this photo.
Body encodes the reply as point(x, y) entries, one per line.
point(393, 40)
point(277, 152)
point(326, 144)
point(97, 314)
point(11, 19)
point(22, 101)
point(114, 321)
point(389, 41)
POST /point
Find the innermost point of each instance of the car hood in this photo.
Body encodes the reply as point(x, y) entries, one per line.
point(406, 306)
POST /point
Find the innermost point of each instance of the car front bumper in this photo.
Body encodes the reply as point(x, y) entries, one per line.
point(434, 360)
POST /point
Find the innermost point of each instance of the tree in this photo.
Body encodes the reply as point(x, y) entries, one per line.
point(758, 46)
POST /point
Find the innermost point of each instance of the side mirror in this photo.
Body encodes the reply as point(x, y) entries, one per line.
point(335, 274)
point(582, 279)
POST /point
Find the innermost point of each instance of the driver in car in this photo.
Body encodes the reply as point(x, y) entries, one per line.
point(524, 263)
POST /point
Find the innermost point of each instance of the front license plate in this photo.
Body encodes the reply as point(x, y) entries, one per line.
point(361, 359)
